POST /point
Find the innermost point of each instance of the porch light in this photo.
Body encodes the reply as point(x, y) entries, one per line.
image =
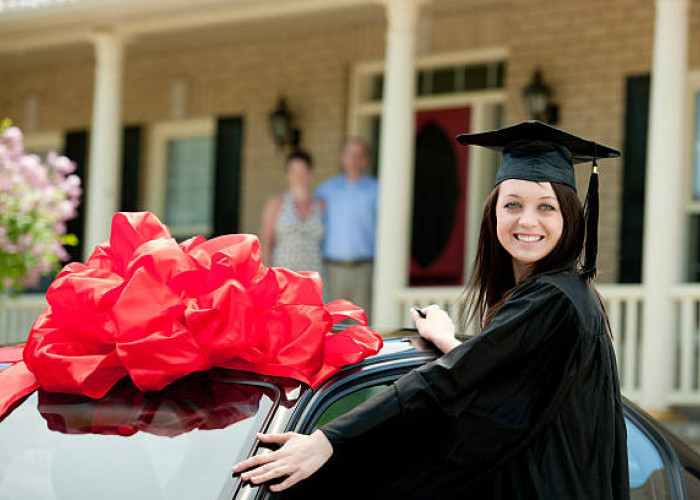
point(281, 126)
point(537, 96)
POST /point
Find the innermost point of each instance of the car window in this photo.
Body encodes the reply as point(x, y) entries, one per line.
point(347, 403)
point(176, 443)
point(648, 477)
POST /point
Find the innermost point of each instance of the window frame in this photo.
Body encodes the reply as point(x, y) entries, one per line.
point(159, 135)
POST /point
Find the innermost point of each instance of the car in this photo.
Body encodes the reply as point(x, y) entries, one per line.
point(181, 442)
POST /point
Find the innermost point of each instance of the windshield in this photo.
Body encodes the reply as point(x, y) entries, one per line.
point(176, 443)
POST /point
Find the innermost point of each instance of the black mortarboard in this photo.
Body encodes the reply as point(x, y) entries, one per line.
point(535, 151)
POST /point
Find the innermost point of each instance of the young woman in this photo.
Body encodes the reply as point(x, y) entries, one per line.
point(530, 407)
point(292, 227)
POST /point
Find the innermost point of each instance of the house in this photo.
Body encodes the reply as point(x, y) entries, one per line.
point(165, 105)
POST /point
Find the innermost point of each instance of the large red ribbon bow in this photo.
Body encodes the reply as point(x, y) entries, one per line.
point(155, 310)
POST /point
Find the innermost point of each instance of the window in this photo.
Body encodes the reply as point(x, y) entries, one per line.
point(694, 212)
point(180, 178)
point(347, 403)
point(189, 186)
point(648, 475)
point(451, 79)
point(692, 195)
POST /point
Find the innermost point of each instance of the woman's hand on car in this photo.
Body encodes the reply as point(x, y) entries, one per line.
point(436, 327)
point(298, 458)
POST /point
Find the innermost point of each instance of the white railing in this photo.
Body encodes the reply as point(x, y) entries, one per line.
point(685, 335)
point(624, 305)
point(623, 302)
point(17, 314)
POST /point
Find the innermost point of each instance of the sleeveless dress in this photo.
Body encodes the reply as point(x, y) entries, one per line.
point(297, 240)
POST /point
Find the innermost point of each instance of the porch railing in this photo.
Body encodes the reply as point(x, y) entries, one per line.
point(17, 314)
point(624, 304)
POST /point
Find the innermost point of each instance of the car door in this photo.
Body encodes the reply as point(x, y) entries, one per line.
point(655, 471)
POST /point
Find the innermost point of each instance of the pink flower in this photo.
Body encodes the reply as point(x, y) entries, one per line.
point(60, 164)
point(59, 228)
point(12, 138)
point(65, 210)
point(71, 186)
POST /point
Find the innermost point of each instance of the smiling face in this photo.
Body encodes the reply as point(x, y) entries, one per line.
point(529, 222)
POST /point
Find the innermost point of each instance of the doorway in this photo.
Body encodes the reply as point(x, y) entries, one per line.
point(439, 194)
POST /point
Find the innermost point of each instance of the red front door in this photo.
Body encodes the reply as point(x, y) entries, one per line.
point(440, 187)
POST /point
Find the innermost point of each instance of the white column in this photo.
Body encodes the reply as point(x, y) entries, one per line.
point(663, 211)
point(104, 167)
point(396, 144)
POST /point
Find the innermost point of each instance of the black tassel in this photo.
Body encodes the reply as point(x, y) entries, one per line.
point(591, 209)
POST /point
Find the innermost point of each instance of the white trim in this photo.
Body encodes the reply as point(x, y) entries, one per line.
point(158, 136)
point(451, 100)
point(475, 56)
point(44, 141)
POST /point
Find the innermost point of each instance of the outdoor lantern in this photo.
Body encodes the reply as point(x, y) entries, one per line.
point(281, 125)
point(537, 97)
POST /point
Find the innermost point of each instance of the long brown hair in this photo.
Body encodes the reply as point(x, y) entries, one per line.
point(492, 279)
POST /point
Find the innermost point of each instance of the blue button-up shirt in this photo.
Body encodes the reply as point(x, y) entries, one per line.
point(350, 218)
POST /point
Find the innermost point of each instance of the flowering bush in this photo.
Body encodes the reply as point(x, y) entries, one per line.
point(36, 199)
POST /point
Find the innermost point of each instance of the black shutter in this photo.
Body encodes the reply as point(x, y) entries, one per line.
point(227, 175)
point(635, 158)
point(76, 149)
point(131, 153)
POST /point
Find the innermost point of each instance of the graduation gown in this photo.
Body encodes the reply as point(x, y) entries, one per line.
point(529, 408)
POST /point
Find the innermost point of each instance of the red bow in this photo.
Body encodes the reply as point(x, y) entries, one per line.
point(145, 306)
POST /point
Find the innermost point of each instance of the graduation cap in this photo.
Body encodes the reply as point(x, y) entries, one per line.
point(535, 151)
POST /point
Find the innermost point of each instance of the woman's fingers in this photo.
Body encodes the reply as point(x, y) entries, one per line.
point(275, 438)
point(269, 475)
point(253, 462)
point(290, 481)
point(265, 457)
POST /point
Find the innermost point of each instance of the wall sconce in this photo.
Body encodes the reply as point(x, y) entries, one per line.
point(281, 126)
point(538, 102)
